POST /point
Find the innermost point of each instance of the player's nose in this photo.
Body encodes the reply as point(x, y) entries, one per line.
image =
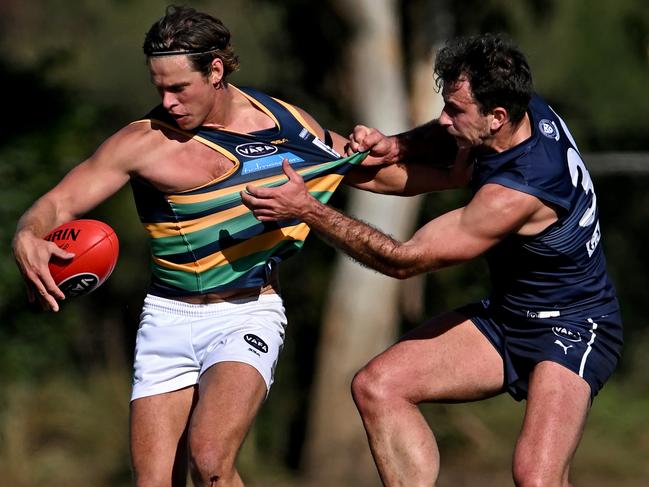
point(444, 119)
point(168, 100)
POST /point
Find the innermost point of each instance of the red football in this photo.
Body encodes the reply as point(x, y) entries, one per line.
point(96, 249)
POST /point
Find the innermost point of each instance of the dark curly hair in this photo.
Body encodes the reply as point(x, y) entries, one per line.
point(185, 29)
point(496, 70)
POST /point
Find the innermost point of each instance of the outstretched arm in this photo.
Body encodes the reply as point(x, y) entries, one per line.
point(84, 187)
point(454, 237)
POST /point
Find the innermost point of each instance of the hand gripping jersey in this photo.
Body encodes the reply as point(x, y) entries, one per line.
point(562, 270)
point(205, 240)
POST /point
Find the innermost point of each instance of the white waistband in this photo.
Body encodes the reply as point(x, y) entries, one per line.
point(173, 306)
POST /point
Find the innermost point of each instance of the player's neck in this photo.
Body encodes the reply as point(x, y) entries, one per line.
point(223, 106)
point(236, 113)
point(511, 135)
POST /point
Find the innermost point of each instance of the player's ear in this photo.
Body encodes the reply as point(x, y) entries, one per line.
point(217, 71)
point(500, 117)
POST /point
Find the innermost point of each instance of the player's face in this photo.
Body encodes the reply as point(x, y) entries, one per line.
point(461, 115)
point(186, 94)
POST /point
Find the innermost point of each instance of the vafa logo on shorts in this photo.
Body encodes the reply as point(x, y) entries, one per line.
point(256, 342)
point(566, 333)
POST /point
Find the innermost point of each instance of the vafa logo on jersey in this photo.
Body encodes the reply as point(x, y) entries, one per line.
point(549, 129)
point(255, 149)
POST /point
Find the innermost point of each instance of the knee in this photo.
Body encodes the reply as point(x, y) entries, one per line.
point(371, 388)
point(526, 478)
point(530, 472)
point(210, 461)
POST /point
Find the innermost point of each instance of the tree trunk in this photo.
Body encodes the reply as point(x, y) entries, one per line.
point(361, 316)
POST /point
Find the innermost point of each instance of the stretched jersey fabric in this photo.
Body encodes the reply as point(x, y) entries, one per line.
point(204, 239)
point(562, 270)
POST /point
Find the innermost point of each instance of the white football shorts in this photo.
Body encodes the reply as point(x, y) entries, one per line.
point(177, 341)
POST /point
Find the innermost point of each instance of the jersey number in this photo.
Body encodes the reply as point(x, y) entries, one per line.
point(577, 167)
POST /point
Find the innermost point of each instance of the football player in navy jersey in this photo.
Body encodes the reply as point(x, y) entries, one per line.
point(549, 332)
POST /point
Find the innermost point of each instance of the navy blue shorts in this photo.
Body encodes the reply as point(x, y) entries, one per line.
point(590, 346)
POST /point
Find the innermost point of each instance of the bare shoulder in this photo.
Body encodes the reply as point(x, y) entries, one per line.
point(134, 137)
point(131, 146)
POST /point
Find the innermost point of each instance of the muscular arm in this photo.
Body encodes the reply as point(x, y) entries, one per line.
point(409, 179)
point(418, 161)
point(452, 238)
point(83, 188)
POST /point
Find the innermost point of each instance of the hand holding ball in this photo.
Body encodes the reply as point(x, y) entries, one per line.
point(96, 249)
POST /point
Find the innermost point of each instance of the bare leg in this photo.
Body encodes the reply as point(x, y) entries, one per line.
point(230, 394)
point(446, 359)
point(158, 438)
point(557, 407)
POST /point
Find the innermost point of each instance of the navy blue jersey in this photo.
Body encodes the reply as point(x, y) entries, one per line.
point(562, 270)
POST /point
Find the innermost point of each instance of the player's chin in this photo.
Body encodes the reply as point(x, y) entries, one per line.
point(186, 122)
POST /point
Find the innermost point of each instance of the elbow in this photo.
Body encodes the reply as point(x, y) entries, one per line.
point(402, 270)
point(405, 269)
point(402, 273)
